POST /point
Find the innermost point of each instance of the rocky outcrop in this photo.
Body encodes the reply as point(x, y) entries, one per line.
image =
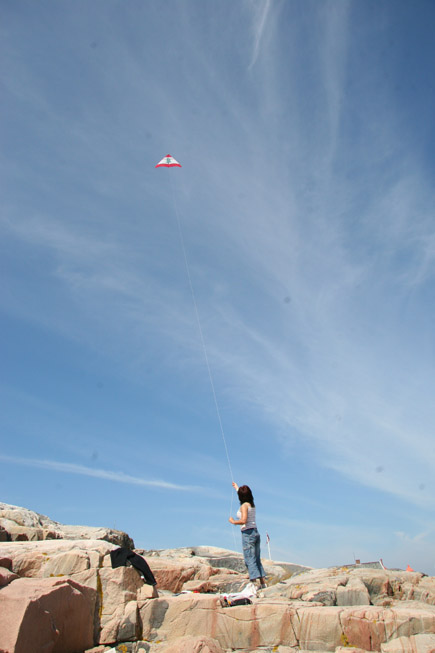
point(268, 624)
point(21, 524)
point(54, 582)
point(353, 586)
point(222, 559)
point(86, 562)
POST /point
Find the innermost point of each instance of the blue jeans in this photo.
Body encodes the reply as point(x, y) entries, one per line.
point(251, 553)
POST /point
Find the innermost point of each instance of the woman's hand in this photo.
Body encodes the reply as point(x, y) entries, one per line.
point(231, 520)
point(235, 486)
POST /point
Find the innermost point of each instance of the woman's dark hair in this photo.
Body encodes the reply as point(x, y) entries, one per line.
point(245, 495)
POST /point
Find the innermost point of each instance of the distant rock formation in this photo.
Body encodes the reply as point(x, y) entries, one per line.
point(21, 524)
point(62, 596)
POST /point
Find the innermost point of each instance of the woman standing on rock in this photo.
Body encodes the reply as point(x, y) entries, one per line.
point(250, 534)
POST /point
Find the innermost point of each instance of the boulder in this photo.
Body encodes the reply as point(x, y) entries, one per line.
point(171, 574)
point(316, 585)
point(353, 593)
point(192, 573)
point(45, 559)
point(6, 562)
point(6, 576)
point(118, 608)
point(51, 615)
point(224, 581)
point(21, 524)
point(87, 562)
point(147, 592)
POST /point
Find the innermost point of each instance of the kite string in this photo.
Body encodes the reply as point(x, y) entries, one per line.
point(186, 262)
point(204, 348)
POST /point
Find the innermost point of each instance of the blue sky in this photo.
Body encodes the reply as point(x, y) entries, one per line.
point(306, 200)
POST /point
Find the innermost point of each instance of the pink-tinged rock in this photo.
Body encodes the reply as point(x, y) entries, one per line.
point(278, 623)
point(123, 625)
point(347, 649)
point(195, 645)
point(88, 563)
point(410, 619)
point(51, 615)
point(21, 524)
point(353, 593)
point(4, 535)
point(241, 627)
point(425, 590)
point(6, 577)
point(6, 562)
point(147, 592)
point(171, 575)
point(414, 644)
point(55, 557)
point(365, 628)
point(118, 589)
point(225, 582)
point(321, 594)
point(319, 628)
point(318, 586)
point(371, 627)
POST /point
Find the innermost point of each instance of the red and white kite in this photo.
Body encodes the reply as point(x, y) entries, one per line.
point(168, 162)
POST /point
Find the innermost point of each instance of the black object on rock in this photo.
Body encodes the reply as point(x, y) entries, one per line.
point(120, 557)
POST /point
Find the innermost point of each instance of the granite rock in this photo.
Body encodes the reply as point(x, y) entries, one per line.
point(51, 615)
point(21, 524)
point(302, 609)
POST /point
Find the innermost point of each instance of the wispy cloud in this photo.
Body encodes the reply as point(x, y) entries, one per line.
point(329, 240)
point(259, 26)
point(107, 475)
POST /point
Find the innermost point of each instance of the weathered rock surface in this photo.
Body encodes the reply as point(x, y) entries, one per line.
point(194, 574)
point(21, 524)
point(222, 558)
point(50, 614)
point(86, 562)
point(280, 623)
point(303, 609)
point(353, 586)
point(413, 644)
point(6, 576)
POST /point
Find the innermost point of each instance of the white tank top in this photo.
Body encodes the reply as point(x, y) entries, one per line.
point(250, 522)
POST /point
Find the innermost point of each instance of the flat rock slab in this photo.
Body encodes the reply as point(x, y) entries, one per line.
point(273, 623)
